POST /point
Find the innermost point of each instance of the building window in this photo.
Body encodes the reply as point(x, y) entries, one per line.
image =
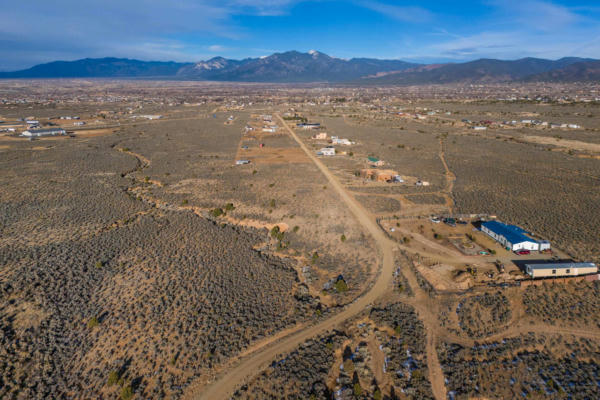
point(568, 271)
point(553, 272)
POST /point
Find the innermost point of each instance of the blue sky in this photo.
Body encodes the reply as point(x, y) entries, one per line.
point(35, 31)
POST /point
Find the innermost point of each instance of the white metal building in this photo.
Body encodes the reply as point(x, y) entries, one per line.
point(44, 132)
point(512, 237)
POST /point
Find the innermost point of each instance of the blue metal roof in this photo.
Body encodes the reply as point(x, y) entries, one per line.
point(512, 233)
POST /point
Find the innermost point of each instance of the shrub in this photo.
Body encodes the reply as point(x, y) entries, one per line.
point(229, 207)
point(184, 202)
point(113, 378)
point(349, 367)
point(357, 389)
point(341, 286)
point(217, 212)
point(99, 264)
point(92, 323)
point(377, 394)
point(296, 228)
point(343, 238)
point(126, 393)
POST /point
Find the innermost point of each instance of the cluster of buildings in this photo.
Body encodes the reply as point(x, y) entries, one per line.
point(483, 125)
point(268, 125)
point(517, 239)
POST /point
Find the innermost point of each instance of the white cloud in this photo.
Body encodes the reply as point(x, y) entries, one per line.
point(535, 14)
point(217, 48)
point(72, 29)
point(401, 13)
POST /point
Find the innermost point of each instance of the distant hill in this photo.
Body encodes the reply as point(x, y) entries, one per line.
point(479, 71)
point(98, 68)
point(314, 66)
point(585, 71)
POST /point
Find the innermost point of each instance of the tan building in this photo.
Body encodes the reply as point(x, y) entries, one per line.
point(379, 175)
point(551, 270)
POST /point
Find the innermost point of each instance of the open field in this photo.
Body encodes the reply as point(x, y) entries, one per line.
point(138, 260)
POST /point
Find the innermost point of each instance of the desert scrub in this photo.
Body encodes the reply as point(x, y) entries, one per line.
point(483, 315)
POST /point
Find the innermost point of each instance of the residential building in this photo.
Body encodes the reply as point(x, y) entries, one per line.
point(309, 125)
point(375, 162)
point(549, 270)
point(326, 151)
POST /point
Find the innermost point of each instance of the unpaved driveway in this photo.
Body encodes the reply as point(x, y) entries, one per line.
point(253, 364)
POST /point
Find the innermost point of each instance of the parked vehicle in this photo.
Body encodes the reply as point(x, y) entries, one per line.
point(450, 221)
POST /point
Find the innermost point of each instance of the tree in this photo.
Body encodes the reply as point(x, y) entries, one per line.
point(357, 389)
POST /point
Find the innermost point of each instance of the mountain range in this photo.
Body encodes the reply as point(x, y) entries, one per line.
point(314, 66)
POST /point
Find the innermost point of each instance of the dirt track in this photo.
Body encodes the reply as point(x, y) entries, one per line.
point(225, 384)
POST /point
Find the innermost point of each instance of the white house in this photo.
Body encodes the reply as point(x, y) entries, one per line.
point(44, 132)
point(326, 151)
point(337, 140)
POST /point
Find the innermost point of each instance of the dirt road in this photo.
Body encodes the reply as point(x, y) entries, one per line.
point(253, 364)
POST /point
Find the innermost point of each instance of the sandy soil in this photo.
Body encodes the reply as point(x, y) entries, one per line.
point(565, 143)
point(268, 155)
